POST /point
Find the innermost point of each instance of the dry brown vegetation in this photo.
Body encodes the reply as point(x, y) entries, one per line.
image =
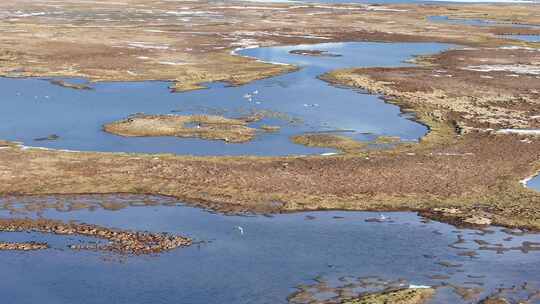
point(459, 166)
point(190, 43)
point(119, 241)
point(325, 140)
point(186, 126)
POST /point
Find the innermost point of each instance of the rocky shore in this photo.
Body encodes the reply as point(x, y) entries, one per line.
point(118, 241)
point(26, 246)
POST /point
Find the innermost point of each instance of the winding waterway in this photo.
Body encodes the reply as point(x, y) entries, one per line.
point(297, 102)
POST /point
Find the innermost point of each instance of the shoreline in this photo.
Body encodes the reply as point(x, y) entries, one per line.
point(455, 165)
point(432, 139)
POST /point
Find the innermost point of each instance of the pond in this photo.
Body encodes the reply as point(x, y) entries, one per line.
point(264, 262)
point(298, 102)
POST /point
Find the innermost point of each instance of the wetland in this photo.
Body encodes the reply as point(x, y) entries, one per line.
point(265, 261)
point(269, 152)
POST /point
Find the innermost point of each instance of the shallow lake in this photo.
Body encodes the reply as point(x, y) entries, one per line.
point(265, 263)
point(298, 102)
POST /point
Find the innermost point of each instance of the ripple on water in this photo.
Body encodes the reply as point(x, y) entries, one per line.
point(323, 250)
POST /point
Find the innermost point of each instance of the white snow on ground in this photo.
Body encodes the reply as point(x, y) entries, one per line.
point(22, 147)
point(383, 9)
point(515, 47)
point(172, 63)
point(535, 132)
point(20, 14)
point(146, 45)
point(412, 286)
point(516, 69)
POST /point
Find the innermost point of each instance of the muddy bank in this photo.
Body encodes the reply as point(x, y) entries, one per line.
point(21, 246)
point(195, 126)
point(119, 241)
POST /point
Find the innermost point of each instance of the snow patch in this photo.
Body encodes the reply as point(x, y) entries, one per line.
point(146, 45)
point(534, 132)
point(527, 69)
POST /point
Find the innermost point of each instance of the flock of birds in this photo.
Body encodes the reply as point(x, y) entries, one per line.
point(250, 96)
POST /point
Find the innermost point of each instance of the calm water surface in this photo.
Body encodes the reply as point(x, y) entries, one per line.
point(264, 264)
point(35, 108)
